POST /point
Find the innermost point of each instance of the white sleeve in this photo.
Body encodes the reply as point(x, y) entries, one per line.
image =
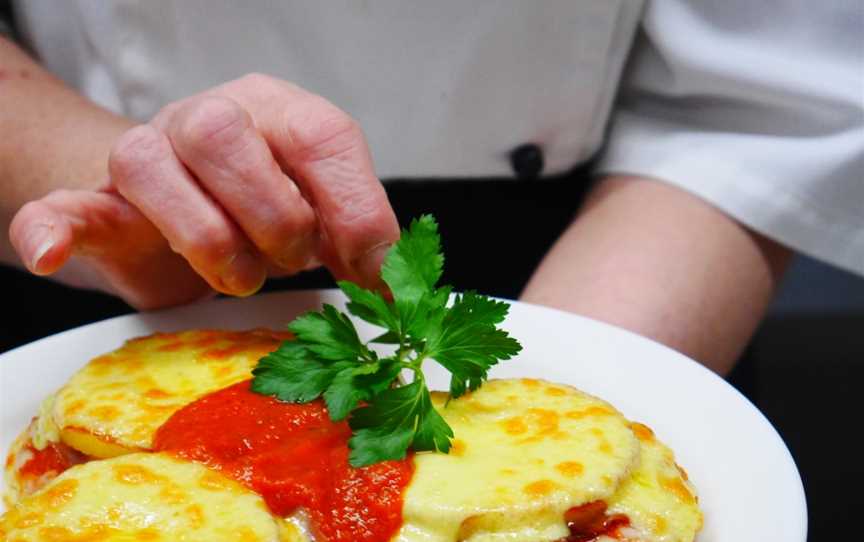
point(757, 107)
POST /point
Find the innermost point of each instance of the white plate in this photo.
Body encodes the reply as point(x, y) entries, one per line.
point(748, 485)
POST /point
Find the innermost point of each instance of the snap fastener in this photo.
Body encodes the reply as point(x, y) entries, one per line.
point(527, 161)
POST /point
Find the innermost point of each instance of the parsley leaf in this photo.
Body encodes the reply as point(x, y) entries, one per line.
point(393, 421)
point(415, 263)
point(329, 360)
point(294, 374)
point(467, 342)
point(411, 270)
point(330, 335)
point(369, 306)
point(358, 383)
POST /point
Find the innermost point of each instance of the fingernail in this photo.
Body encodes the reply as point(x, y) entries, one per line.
point(299, 254)
point(244, 275)
point(368, 266)
point(43, 240)
point(312, 263)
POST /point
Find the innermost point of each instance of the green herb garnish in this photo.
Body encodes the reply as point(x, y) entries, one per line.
point(329, 359)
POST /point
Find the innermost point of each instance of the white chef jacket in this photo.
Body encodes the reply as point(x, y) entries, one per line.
point(757, 107)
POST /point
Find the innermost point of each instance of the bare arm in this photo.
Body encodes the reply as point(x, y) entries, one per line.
point(52, 138)
point(654, 259)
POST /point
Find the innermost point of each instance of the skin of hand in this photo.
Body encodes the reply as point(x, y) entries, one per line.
point(252, 178)
point(651, 258)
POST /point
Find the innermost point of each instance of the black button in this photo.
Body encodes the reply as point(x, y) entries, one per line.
point(527, 161)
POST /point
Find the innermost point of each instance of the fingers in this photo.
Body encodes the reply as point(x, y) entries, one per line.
point(259, 167)
point(146, 171)
point(332, 164)
point(216, 139)
point(46, 232)
point(324, 151)
point(131, 257)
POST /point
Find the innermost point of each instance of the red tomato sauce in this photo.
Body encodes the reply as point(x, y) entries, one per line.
point(294, 456)
point(55, 458)
point(589, 521)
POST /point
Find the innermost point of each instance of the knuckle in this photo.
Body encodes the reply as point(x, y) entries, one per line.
point(337, 136)
point(324, 131)
point(208, 242)
point(164, 116)
point(338, 126)
point(286, 235)
point(257, 80)
point(364, 217)
point(136, 150)
point(359, 206)
point(367, 220)
point(212, 124)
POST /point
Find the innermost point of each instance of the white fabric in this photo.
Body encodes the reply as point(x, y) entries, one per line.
point(441, 88)
point(758, 107)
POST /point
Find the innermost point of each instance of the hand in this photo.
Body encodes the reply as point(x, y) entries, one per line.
point(254, 177)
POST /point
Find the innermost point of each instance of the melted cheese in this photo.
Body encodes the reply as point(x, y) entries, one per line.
point(116, 402)
point(146, 497)
point(525, 452)
point(18, 455)
point(41, 433)
point(44, 430)
point(659, 500)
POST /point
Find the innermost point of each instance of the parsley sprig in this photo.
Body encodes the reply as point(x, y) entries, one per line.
point(328, 359)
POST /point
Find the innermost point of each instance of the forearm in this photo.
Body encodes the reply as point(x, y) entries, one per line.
point(50, 137)
point(653, 259)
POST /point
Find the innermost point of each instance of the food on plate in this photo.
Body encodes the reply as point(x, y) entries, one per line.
point(657, 498)
point(529, 457)
point(142, 497)
point(526, 451)
point(223, 435)
point(117, 401)
point(37, 456)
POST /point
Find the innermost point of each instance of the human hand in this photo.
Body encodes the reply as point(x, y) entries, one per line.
point(253, 177)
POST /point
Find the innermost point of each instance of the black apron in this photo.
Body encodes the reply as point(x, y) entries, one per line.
point(494, 232)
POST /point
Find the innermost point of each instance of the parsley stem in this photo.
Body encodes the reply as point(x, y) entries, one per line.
point(415, 365)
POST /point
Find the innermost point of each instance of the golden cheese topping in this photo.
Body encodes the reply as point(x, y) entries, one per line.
point(115, 404)
point(19, 454)
point(659, 500)
point(43, 430)
point(36, 457)
point(142, 497)
point(525, 452)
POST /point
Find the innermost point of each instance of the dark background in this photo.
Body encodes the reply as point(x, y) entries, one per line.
point(802, 369)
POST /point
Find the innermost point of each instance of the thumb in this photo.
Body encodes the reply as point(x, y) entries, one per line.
point(123, 251)
point(42, 234)
point(46, 232)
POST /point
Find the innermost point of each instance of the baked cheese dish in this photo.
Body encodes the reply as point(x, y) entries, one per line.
point(163, 440)
point(143, 496)
point(114, 405)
